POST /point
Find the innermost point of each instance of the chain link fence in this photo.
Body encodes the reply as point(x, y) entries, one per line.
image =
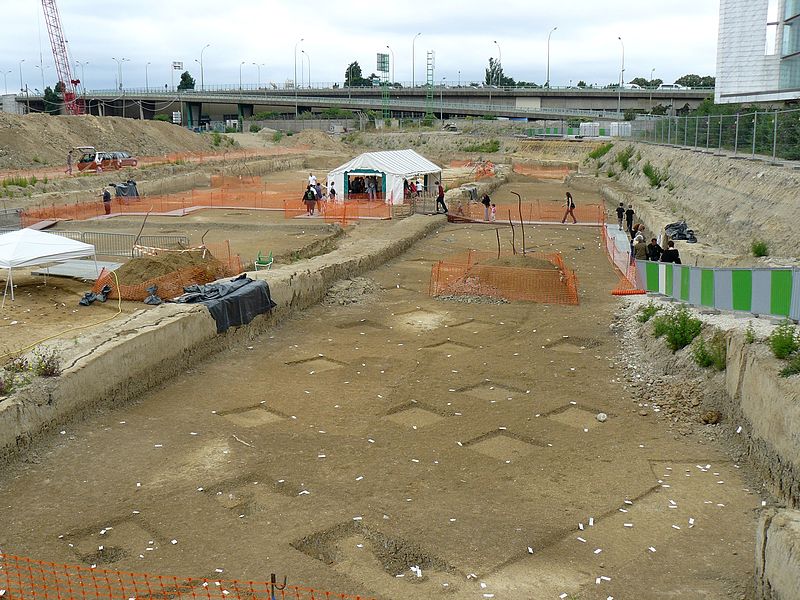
point(119, 244)
point(769, 133)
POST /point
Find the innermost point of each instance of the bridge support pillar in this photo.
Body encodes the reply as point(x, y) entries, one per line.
point(191, 113)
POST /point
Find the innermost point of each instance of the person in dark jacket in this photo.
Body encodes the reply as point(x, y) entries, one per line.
point(654, 250)
point(671, 255)
point(487, 202)
point(629, 219)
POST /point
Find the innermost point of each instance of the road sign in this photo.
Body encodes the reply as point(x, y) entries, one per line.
point(177, 65)
point(383, 63)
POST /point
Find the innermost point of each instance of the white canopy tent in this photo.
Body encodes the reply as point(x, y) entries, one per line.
point(391, 166)
point(29, 247)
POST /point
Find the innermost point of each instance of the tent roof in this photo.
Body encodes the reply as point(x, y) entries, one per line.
point(395, 162)
point(28, 247)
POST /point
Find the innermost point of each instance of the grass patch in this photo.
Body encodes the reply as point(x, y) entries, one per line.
point(487, 147)
point(277, 137)
point(6, 384)
point(647, 312)
point(714, 354)
point(793, 368)
point(759, 248)
point(749, 333)
point(216, 139)
point(19, 181)
point(784, 341)
point(678, 327)
point(601, 151)
point(654, 175)
point(624, 158)
point(46, 363)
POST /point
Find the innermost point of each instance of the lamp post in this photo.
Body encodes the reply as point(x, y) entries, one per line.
point(258, 66)
point(21, 85)
point(392, 51)
point(295, 77)
point(240, 75)
point(350, 81)
point(42, 68)
point(202, 81)
point(308, 58)
point(5, 79)
point(653, 70)
point(459, 78)
point(147, 78)
point(621, 80)
point(499, 62)
point(441, 99)
point(413, 63)
point(119, 69)
point(547, 84)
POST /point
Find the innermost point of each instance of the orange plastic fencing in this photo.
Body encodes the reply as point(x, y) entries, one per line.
point(27, 579)
point(534, 212)
point(171, 284)
point(625, 268)
point(466, 276)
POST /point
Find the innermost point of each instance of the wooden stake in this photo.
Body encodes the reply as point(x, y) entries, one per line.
point(521, 222)
point(513, 234)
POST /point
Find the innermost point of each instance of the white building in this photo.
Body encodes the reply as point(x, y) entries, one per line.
point(758, 51)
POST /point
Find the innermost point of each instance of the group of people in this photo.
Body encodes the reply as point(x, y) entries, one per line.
point(314, 194)
point(489, 209)
point(413, 188)
point(639, 249)
point(365, 185)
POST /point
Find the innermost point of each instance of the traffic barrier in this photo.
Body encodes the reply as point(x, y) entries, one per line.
point(474, 274)
point(24, 578)
point(761, 291)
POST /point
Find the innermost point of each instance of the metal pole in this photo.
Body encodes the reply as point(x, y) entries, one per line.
point(686, 131)
point(653, 70)
point(294, 81)
point(669, 129)
point(708, 131)
point(736, 136)
point(21, 85)
point(719, 149)
point(146, 79)
point(240, 75)
point(775, 138)
point(499, 62)
point(547, 84)
point(392, 51)
point(202, 82)
point(441, 100)
point(413, 64)
point(696, 129)
point(755, 120)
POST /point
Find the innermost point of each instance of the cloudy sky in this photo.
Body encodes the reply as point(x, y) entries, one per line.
point(674, 38)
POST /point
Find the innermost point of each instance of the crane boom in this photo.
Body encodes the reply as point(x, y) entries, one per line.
point(61, 58)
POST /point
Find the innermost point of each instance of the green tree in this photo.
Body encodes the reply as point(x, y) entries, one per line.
point(495, 75)
point(352, 75)
point(581, 84)
point(695, 81)
point(52, 99)
point(187, 81)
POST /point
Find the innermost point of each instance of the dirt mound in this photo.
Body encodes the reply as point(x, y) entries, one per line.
point(350, 291)
point(143, 268)
point(520, 261)
point(313, 138)
point(37, 139)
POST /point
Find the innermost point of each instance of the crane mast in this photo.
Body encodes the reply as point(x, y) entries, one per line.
point(61, 57)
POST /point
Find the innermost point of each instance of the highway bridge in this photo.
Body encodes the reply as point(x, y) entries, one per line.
point(533, 104)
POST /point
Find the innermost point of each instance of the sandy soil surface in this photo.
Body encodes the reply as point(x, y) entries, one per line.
point(357, 441)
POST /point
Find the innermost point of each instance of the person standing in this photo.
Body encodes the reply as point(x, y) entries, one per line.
point(654, 251)
point(107, 202)
point(486, 201)
point(98, 162)
point(332, 192)
point(440, 197)
point(620, 214)
point(494, 212)
point(671, 254)
point(68, 170)
point(309, 199)
point(312, 180)
point(639, 248)
point(570, 206)
point(629, 219)
point(318, 191)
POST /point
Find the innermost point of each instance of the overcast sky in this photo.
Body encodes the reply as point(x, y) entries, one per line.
point(674, 38)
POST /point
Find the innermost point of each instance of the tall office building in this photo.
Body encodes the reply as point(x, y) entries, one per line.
point(758, 51)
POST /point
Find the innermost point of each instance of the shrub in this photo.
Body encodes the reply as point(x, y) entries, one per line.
point(759, 248)
point(678, 326)
point(254, 128)
point(784, 341)
point(277, 137)
point(601, 151)
point(46, 363)
point(18, 364)
point(714, 354)
point(164, 118)
point(654, 175)
point(647, 312)
point(793, 368)
point(610, 172)
point(624, 158)
point(427, 122)
point(231, 129)
point(216, 139)
point(6, 384)
point(749, 333)
point(487, 147)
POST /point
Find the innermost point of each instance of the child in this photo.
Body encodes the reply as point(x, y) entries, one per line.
point(620, 214)
point(494, 212)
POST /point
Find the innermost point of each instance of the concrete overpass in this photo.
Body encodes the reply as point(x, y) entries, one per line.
point(448, 101)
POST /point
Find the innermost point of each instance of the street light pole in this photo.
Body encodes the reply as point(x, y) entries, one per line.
point(413, 63)
point(441, 99)
point(295, 78)
point(547, 84)
point(621, 80)
point(146, 78)
point(499, 62)
point(240, 75)
point(21, 85)
point(653, 70)
point(42, 69)
point(309, 67)
point(392, 51)
point(258, 66)
point(5, 79)
point(202, 81)
point(350, 81)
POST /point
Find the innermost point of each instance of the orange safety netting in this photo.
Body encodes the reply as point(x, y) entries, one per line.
point(623, 265)
point(474, 275)
point(534, 212)
point(27, 579)
point(226, 264)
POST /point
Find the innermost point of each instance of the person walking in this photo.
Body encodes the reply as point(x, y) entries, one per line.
point(620, 214)
point(570, 206)
point(487, 203)
point(629, 219)
point(68, 170)
point(107, 202)
point(309, 199)
point(440, 197)
point(671, 254)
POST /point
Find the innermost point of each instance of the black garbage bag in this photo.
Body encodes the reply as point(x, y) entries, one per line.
point(680, 231)
point(153, 299)
point(100, 296)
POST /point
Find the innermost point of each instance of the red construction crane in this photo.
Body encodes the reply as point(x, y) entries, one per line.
point(61, 57)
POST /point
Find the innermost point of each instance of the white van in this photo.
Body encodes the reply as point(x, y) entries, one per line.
point(672, 86)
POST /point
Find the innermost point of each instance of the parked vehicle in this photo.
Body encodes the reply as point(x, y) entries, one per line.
point(91, 158)
point(672, 86)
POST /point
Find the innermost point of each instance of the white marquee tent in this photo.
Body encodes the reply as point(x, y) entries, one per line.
point(391, 167)
point(29, 247)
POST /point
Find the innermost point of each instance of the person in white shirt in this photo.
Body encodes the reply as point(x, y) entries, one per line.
point(312, 180)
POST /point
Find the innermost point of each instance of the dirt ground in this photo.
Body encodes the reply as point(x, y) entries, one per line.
point(356, 442)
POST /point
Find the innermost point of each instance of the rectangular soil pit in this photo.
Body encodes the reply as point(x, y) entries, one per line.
point(503, 447)
point(576, 417)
